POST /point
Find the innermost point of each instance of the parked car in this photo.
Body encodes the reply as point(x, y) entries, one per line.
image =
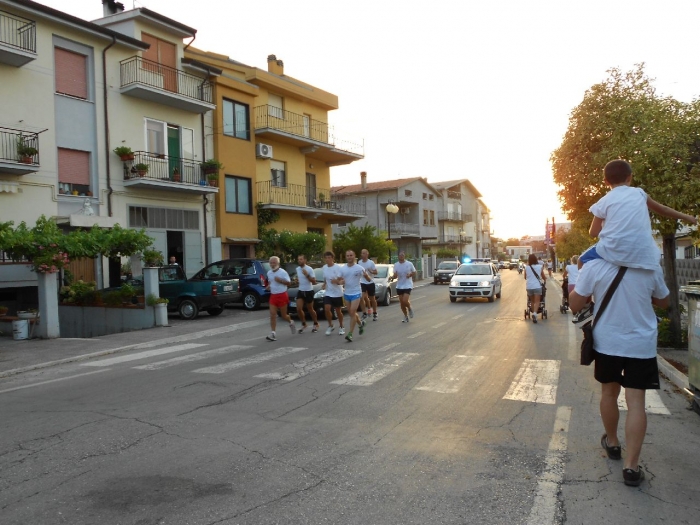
point(501, 265)
point(445, 271)
point(251, 275)
point(513, 264)
point(476, 280)
point(385, 284)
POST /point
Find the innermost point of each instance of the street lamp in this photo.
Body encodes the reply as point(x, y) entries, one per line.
point(391, 208)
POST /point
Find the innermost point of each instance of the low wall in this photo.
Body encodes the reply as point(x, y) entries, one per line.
point(94, 321)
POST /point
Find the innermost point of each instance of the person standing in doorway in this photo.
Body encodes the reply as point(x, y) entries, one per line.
point(305, 296)
point(369, 300)
point(172, 261)
point(333, 298)
point(351, 274)
point(405, 271)
point(278, 282)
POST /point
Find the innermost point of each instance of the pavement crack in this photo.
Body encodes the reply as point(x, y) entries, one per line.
point(255, 389)
point(394, 427)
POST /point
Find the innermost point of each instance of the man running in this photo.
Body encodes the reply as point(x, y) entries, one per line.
point(369, 300)
point(352, 273)
point(278, 282)
point(305, 296)
point(405, 271)
point(333, 299)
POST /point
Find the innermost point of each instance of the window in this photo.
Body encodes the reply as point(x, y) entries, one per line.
point(71, 73)
point(425, 196)
point(277, 174)
point(274, 106)
point(425, 217)
point(73, 172)
point(320, 231)
point(430, 197)
point(155, 137)
point(238, 199)
point(407, 193)
point(236, 120)
point(432, 217)
point(163, 218)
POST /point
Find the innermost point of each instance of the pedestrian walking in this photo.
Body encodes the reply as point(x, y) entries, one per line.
point(624, 340)
point(535, 281)
point(369, 299)
point(405, 271)
point(305, 295)
point(550, 266)
point(278, 281)
point(571, 273)
point(351, 275)
point(333, 298)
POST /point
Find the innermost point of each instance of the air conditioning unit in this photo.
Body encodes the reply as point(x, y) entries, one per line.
point(405, 211)
point(263, 151)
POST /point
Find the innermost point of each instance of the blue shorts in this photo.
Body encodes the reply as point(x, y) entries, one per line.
point(353, 297)
point(589, 255)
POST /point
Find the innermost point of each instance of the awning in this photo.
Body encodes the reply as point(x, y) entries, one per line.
point(9, 187)
point(243, 240)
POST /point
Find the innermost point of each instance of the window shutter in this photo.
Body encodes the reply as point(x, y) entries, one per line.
point(73, 166)
point(71, 73)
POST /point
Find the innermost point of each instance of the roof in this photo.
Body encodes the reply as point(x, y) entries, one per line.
point(450, 183)
point(380, 186)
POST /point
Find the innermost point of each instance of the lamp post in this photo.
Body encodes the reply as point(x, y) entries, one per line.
point(391, 208)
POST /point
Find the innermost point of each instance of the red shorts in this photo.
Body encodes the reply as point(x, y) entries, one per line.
point(279, 299)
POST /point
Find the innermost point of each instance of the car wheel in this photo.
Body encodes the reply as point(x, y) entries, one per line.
point(491, 298)
point(188, 309)
point(453, 299)
point(251, 301)
point(498, 295)
point(217, 310)
point(387, 298)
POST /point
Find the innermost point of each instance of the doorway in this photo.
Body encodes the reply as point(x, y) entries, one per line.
point(237, 251)
point(175, 246)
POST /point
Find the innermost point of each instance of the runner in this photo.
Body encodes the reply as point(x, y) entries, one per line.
point(278, 281)
point(405, 271)
point(333, 298)
point(352, 273)
point(369, 301)
point(305, 296)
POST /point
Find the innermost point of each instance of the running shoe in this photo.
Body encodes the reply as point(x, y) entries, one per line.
point(583, 314)
point(362, 328)
point(364, 315)
point(348, 337)
point(633, 478)
point(271, 337)
point(293, 327)
point(301, 330)
point(374, 318)
point(329, 330)
point(341, 331)
point(410, 313)
point(314, 329)
point(405, 320)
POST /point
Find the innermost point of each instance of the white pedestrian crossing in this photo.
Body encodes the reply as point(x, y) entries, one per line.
point(192, 357)
point(438, 325)
point(377, 370)
point(388, 347)
point(415, 335)
point(449, 376)
point(307, 366)
point(246, 361)
point(143, 355)
point(653, 402)
point(536, 382)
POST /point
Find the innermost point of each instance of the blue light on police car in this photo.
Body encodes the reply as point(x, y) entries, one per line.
point(466, 260)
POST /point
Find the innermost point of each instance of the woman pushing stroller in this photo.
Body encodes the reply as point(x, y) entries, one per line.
point(535, 282)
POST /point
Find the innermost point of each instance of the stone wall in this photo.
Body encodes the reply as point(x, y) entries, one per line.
point(94, 321)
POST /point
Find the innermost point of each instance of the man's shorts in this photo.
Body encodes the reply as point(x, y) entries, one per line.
point(401, 291)
point(279, 299)
point(589, 255)
point(533, 291)
point(306, 296)
point(352, 297)
point(370, 288)
point(630, 372)
point(335, 302)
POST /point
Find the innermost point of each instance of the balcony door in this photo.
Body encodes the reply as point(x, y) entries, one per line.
point(310, 189)
point(165, 54)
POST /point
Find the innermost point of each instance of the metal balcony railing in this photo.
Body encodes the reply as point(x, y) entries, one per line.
point(309, 197)
point(272, 117)
point(17, 32)
point(403, 228)
point(449, 239)
point(11, 143)
point(164, 167)
point(137, 70)
point(453, 216)
point(454, 195)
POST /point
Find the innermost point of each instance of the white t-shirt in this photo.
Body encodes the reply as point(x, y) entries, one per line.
point(304, 282)
point(276, 287)
point(369, 266)
point(332, 272)
point(572, 273)
point(626, 239)
point(532, 281)
point(352, 275)
point(628, 325)
point(402, 269)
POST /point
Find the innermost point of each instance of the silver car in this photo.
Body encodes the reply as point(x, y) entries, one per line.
point(476, 280)
point(385, 284)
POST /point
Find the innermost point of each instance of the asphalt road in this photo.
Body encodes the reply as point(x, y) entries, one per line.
point(466, 415)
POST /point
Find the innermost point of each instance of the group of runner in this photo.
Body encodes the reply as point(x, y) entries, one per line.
point(351, 285)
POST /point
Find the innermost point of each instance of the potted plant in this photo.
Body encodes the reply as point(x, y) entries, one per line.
point(161, 309)
point(211, 166)
point(152, 258)
point(124, 153)
point(25, 153)
point(31, 313)
point(176, 174)
point(153, 300)
point(213, 179)
point(141, 168)
point(3, 310)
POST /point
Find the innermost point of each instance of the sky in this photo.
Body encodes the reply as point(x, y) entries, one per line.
point(452, 89)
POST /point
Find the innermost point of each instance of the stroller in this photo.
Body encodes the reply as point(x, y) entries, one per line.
point(542, 309)
point(564, 296)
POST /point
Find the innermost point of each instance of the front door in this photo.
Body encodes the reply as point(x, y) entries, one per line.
point(310, 189)
point(174, 152)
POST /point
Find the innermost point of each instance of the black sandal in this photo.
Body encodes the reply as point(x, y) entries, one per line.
point(613, 452)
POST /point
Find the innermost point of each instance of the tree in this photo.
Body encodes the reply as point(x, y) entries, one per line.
point(623, 117)
point(574, 241)
point(513, 242)
point(356, 238)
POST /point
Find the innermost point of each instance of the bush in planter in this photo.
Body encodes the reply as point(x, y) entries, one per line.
point(141, 168)
point(113, 298)
point(151, 258)
point(211, 166)
point(127, 292)
point(153, 300)
point(79, 293)
point(124, 153)
point(25, 152)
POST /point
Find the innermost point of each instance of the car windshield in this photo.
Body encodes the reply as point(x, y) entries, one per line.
point(448, 265)
point(474, 269)
point(382, 272)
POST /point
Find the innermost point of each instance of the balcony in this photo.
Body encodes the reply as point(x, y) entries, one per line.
point(449, 240)
point(155, 82)
point(166, 173)
point(17, 40)
point(311, 202)
point(10, 161)
point(312, 137)
point(404, 229)
point(454, 216)
point(457, 195)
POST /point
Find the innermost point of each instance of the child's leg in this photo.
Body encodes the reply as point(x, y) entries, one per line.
point(589, 255)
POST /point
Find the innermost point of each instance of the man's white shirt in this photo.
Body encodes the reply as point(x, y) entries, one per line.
point(276, 287)
point(369, 266)
point(329, 273)
point(305, 284)
point(402, 269)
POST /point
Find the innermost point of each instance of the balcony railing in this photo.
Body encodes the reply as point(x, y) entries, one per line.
point(10, 139)
point(454, 216)
point(137, 70)
point(272, 117)
point(17, 32)
point(164, 168)
point(454, 195)
point(403, 228)
point(449, 239)
point(309, 197)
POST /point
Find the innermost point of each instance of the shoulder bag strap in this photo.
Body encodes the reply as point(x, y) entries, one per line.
point(535, 274)
point(608, 294)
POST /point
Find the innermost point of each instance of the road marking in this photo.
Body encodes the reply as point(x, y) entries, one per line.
point(415, 335)
point(536, 381)
point(239, 363)
point(574, 345)
point(307, 366)
point(192, 357)
point(438, 325)
point(377, 370)
point(449, 376)
point(545, 506)
point(388, 347)
point(143, 355)
point(652, 400)
point(458, 316)
point(204, 333)
point(418, 297)
point(51, 381)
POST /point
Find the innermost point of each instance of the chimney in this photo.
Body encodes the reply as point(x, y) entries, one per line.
point(274, 66)
point(111, 7)
point(363, 179)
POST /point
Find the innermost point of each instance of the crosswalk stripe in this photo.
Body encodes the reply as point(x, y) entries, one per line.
point(458, 316)
point(307, 366)
point(192, 357)
point(438, 325)
point(415, 335)
point(143, 355)
point(449, 376)
point(377, 370)
point(536, 381)
point(388, 347)
point(653, 402)
point(240, 363)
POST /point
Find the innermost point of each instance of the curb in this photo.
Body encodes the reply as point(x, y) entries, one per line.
point(676, 377)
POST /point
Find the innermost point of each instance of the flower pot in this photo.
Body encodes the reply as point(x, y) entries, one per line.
point(161, 311)
point(176, 177)
point(27, 315)
point(213, 182)
point(208, 171)
point(142, 173)
point(26, 160)
point(126, 158)
point(74, 192)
